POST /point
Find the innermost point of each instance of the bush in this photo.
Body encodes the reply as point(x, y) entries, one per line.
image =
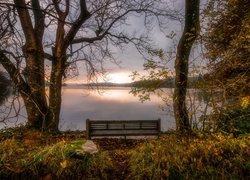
point(214, 157)
point(236, 121)
point(233, 118)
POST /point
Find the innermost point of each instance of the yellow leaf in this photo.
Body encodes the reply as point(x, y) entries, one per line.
point(63, 164)
point(245, 102)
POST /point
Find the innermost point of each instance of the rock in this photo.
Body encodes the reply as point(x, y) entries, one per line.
point(90, 147)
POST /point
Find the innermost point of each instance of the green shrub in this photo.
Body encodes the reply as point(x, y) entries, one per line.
point(236, 121)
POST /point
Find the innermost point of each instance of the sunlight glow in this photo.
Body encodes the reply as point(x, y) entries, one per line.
point(121, 77)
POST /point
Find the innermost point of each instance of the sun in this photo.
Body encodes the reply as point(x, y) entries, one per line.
point(119, 78)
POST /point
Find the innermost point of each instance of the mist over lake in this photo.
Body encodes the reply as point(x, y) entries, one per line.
point(79, 103)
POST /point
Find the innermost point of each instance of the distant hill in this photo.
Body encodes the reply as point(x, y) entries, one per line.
point(167, 83)
point(110, 84)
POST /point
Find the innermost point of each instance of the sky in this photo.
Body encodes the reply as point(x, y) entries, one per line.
point(130, 60)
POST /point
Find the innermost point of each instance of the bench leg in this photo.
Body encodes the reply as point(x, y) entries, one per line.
point(88, 129)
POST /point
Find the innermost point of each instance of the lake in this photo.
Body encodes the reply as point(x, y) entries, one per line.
point(80, 103)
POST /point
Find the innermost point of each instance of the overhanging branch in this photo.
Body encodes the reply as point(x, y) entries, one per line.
point(13, 72)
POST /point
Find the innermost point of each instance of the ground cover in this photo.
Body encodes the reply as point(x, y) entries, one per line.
point(26, 153)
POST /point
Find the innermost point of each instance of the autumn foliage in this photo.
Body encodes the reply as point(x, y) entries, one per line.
point(204, 157)
point(27, 154)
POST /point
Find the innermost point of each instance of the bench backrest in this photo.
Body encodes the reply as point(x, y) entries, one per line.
point(122, 127)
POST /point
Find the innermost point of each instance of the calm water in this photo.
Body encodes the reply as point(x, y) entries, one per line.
point(78, 104)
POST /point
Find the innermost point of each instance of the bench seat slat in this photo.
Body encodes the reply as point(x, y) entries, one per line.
point(122, 127)
point(123, 132)
point(131, 129)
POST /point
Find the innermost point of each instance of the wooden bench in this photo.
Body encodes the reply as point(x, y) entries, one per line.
point(124, 128)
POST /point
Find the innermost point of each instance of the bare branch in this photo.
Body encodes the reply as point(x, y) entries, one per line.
point(13, 72)
point(25, 21)
point(39, 18)
point(48, 56)
point(45, 11)
point(84, 15)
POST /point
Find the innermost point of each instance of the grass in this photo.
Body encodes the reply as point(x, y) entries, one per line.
point(215, 156)
point(29, 154)
point(32, 155)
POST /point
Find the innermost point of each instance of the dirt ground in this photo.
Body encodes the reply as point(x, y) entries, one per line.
point(118, 150)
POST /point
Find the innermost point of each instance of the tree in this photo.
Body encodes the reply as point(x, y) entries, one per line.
point(227, 45)
point(227, 51)
point(60, 33)
point(160, 74)
point(191, 30)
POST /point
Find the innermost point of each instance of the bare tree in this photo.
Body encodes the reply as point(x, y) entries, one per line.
point(60, 33)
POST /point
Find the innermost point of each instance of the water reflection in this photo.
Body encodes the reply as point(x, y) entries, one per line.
point(113, 104)
point(78, 104)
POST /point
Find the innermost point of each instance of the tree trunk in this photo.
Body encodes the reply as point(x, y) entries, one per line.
point(31, 84)
point(35, 99)
point(36, 116)
point(55, 98)
point(189, 35)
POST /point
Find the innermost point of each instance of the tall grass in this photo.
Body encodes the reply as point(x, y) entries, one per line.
point(213, 157)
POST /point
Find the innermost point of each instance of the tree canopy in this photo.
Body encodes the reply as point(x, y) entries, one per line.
point(227, 45)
